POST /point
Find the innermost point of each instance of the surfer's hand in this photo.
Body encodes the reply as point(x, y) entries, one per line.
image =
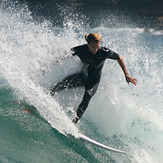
point(130, 79)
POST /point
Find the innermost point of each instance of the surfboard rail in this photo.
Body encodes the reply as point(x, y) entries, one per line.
point(83, 137)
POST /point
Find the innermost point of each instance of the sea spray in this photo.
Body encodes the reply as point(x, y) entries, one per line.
point(27, 51)
point(33, 58)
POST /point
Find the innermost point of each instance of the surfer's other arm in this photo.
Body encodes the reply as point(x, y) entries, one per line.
point(129, 79)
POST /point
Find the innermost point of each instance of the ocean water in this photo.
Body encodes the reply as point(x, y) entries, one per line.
point(35, 55)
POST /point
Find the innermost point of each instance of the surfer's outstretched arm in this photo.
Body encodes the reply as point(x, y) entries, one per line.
point(129, 79)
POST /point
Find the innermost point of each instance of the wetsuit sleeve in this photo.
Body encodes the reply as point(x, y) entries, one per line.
point(74, 51)
point(79, 50)
point(110, 54)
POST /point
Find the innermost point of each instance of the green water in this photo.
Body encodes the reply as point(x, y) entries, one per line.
point(121, 116)
point(29, 138)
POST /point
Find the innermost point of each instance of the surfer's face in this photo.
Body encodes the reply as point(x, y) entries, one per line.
point(94, 46)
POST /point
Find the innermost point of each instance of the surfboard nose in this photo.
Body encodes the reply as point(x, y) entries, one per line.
point(85, 138)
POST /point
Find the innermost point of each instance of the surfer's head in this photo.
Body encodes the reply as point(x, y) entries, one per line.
point(95, 37)
point(93, 40)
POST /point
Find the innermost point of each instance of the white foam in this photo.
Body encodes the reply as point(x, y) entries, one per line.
point(30, 53)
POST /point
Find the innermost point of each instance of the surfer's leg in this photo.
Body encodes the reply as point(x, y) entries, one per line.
point(84, 104)
point(71, 81)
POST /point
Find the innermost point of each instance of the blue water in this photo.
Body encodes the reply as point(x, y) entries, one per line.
point(122, 116)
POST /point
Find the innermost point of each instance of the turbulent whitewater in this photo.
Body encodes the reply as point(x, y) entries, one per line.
point(33, 58)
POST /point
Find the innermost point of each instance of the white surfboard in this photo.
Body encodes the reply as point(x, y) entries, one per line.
point(83, 137)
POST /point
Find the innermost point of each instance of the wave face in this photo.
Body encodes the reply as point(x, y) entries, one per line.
point(33, 58)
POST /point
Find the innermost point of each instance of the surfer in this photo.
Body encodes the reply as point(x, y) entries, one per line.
point(93, 57)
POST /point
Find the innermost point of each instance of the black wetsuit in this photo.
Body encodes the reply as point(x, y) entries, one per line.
point(90, 75)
